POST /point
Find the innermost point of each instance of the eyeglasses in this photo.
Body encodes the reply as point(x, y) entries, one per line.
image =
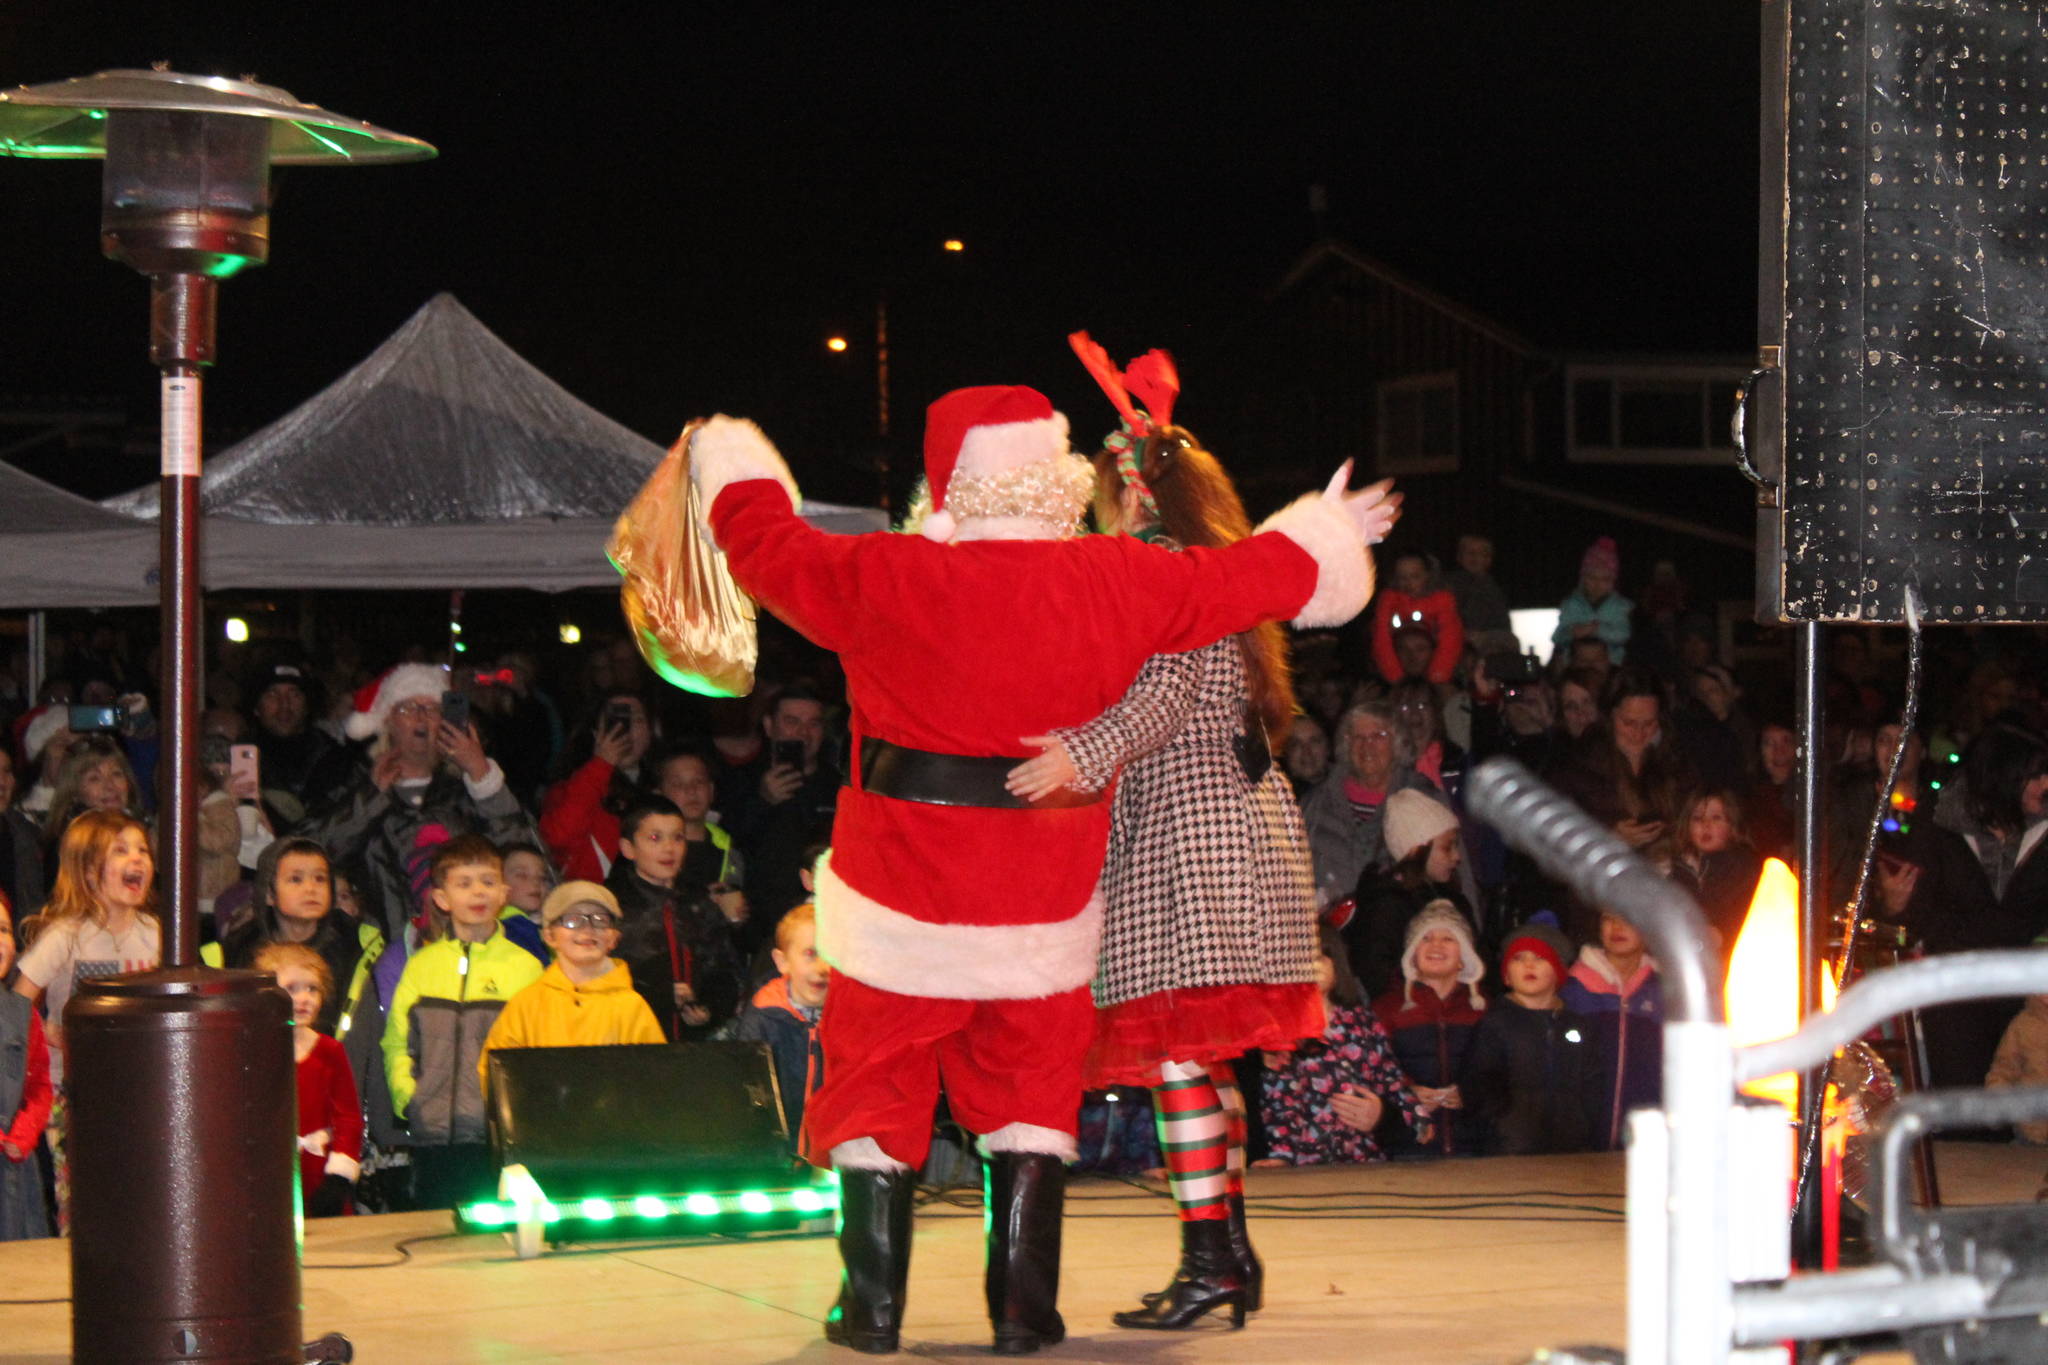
point(599, 920)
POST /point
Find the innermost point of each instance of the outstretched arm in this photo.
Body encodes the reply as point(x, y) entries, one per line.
point(1086, 757)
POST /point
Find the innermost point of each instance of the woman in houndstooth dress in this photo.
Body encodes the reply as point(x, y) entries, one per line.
point(1209, 930)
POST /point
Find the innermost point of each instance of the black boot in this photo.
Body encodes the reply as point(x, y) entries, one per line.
point(1249, 1268)
point(1025, 1195)
point(1207, 1279)
point(874, 1245)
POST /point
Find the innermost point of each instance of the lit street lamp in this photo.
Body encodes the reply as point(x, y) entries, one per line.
point(180, 1121)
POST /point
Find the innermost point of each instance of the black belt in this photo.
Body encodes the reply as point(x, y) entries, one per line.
point(951, 779)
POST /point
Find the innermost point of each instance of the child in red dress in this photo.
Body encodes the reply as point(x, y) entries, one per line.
point(330, 1114)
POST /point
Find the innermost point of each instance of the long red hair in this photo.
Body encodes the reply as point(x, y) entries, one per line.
point(1199, 506)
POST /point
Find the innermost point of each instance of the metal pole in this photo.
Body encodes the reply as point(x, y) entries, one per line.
point(1809, 661)
point(38, 655)
point(181, 315)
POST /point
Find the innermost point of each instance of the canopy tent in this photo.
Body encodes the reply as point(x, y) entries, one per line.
point(443, 460)
point(61, 550)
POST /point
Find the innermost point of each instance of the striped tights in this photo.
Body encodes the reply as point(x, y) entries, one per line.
point(1201, 1132)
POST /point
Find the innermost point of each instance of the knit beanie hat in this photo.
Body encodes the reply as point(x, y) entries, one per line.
point(1442, 915)
point(1411, 819)
point(1544, 941)
point(375, 699)
point(1601, 554)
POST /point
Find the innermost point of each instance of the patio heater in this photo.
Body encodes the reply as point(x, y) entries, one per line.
point(184, 1176)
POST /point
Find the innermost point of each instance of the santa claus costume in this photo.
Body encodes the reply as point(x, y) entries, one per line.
point(963, 922)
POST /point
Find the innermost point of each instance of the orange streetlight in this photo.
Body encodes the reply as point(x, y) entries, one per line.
point(955, 244)
point(835, 344)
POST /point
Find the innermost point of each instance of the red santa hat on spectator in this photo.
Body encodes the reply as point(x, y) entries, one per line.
point(39, 728)
point(375, 700)
point(980, 432)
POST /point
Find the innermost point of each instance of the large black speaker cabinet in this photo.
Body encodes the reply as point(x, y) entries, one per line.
point(1903, 305)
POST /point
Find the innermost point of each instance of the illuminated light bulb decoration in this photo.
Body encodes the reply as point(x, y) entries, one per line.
point(1763, 977)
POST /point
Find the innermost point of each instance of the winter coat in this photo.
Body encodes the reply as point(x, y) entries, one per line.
point(1439, 616)
point(1207, 882)
point(771, 1018)
point(1610, 619)
point(25, 885)
point(1376, 934)
point(25, 1097)
point(1625, 1022)
point(373, 834)
point(663, 942)
point(449, 997)
point(582, 836)
point(1529, 1078)
point(1432, 1037)
point(348, 947)
point(557, 1012)
point(1352, 1055)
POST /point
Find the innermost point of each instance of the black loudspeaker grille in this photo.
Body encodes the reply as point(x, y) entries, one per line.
point(1915, 229)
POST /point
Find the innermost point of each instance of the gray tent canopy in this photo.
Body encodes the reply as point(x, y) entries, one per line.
point(60, 550)
point(444, 459)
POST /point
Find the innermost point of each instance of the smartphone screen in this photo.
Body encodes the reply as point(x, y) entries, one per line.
point(789, 753)
point(455, 709)
point(243, 764)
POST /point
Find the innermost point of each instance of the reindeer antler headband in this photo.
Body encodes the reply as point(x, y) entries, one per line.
point(1153, 378)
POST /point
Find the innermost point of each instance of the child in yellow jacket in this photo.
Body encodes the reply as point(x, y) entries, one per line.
point(586, 996)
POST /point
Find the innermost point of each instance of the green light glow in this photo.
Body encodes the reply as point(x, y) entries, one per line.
point(753, 1201)
point(550, 1214)
point(806, 1201)
point(647, 1206)
point(596, 1210)
point(703, 1205)
point(485, 1215)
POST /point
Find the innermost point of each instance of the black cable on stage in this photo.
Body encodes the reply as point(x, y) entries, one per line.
point(404, 1250)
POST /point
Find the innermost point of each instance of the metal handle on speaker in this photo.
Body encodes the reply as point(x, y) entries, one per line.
point(1766, 489)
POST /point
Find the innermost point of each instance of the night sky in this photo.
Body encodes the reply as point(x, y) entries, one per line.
point(669, 208)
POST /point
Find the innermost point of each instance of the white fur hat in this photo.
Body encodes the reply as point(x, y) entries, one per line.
point(375, 699)
point(1411, 819)
point(1444, 915)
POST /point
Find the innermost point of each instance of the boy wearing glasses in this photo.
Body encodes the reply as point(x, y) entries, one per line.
point(585, 998)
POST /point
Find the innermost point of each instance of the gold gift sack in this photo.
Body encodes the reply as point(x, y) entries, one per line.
point(689, 618)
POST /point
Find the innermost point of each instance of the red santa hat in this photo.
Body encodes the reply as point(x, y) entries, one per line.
point(983, 431)
point(375, 699)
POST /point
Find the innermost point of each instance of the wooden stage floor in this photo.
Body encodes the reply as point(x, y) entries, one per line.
point(1459, 1262)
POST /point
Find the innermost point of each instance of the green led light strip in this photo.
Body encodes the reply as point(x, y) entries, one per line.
point(808, 1199)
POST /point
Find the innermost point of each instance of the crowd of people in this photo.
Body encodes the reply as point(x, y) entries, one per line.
point(438, 863)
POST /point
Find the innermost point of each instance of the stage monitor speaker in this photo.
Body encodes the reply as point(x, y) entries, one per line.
point(609, 1122)
point(1903, 303)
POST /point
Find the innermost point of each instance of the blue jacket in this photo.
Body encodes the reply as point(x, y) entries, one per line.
point(1625, 1025)
point(1609, 619)
point(772, 1018)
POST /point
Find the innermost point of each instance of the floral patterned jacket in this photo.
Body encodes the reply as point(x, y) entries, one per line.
point(1355, 1054)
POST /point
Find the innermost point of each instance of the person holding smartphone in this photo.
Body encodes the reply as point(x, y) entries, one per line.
point(780, 805)
point(603, 775)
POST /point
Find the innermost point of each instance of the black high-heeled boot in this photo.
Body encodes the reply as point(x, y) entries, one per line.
point(1208, 1279)
point(1250, 1268)
point(874, 1245)
point(1026, 1195)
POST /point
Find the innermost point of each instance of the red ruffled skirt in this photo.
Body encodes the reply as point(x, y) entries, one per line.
point(1203, 1024)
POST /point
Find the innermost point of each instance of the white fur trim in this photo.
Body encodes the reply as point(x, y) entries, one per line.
point(487, 786)
point(937, 526)
point(1344, 574)
point(864, 1154)
point(730, 450)
point(1011, 445)
point(1029, 1137)
point(890, 951)
point(401, 684)
point(347, 1167)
